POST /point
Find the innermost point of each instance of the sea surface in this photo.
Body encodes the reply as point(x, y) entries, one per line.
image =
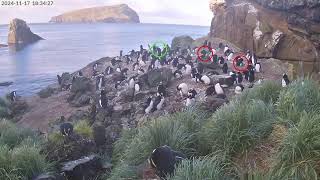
point(69, 47)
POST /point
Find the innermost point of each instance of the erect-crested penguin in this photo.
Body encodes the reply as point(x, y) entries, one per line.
point(161, 89)
point(183, 89)
point(192, 93)
point(118, 69)
point(158, 102)
point(177, 74)
point(230, 56)
point(100, 82)
point(285, 80)
point(190, 101)
point(124, 71)
point(59, 79)
point(66, 129)
point(148, 105)
point(131, 82)
point(251, 77)
point(210, 91)
point(225, 68)
point(239, 88)
point(135, 66)
point(258, 67)
point(218, 88)
point(13, 96)
point(103, 101)
point(109, 70)
point(239, 78)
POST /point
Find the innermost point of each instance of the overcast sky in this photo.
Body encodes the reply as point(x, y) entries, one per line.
point(193, 12)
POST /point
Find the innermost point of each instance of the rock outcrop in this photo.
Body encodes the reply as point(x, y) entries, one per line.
point(286, 30)
point(181, 42)
point(111, 14)
point(20, 33)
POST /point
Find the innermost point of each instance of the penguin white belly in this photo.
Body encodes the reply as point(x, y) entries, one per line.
point(100, 103)
point(206, 80)
point(148, 109)
point(131, 83)
point(238, 90)
point(230, 57)
point(257, 68)
point(190, 102)
point(188, 70)
point(225, 49)
point(100, 84)
point(118, 70)
point(136, 87)
point(218, 89)
point(159, 106)
point(284, 84)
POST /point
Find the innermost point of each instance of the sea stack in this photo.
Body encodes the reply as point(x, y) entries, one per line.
point(20, 33)
point(109, 14)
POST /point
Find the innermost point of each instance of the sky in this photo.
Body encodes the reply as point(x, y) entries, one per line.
point(190, 12)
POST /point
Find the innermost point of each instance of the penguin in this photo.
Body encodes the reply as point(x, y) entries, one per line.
point(118, 69)
point(218, 89)
point(226, 48)
point(13, 96)
point(258, 67)
point(248, 56)
point(124, 71)
point(135, 66)
point(117, 84)
point(59, 79)
point(177, 74)
point(221, 60)
point(239, 88)
point(151, 67)
point(148, 105)
point(109, 70)
point(121, 53)
point(239, 78)
point(141, 71)
point(103, 101)
point(183, 89)
point(205, 79)
point(141, 48)
point(164, 160)
point(137, 87)
point(198, 77)
point(157, 64)
point(161, 89)
point(158, 103)
point(188, 69)
point(80, 74)
point(210, 91)
point(128, 59)
point(192, 93)
point(251, 77)
point(100, 82)
point(230, 56)
point(66, 129)
point(190, 101)
point(131, 82)
point(225, 68)
point(253, 59)
point(285, 80)
point(95, 67)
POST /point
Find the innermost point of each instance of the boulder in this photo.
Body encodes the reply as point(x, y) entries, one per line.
point(285, 30)
point(154, 77)
point(81, 84)
point(212, 103)
point(181, 42)
point(66, 79)
point(47, 92)
point(20, 33)
point(84, 168)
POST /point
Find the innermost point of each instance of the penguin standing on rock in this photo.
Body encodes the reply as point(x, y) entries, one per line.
point(59, 79)
point(177, 74)
point(239, 78)
point(158, 103)
point(103, 101)
point(148, 105)
point(258, 67)
point(109, 70)
point(183, 89)
point(13, 96)
point(161, 89)
point(218, 88)
point(239, 89)
point(66, 129)
point(225, 68)
point(100, 82)
point(191, 97)
point(285, 80)
point(164, 160)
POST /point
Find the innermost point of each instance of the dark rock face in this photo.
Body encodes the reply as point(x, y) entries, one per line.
point(99, 135)
point(84, 168)
point(20, 33)
point(154, 77)
point(181, 42)
point(286, 30)
point(81, 84)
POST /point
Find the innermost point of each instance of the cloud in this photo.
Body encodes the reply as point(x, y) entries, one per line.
point(195, 12)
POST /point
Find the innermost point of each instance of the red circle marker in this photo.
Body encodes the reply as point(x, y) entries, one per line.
point(199, 53)
point(235, 60)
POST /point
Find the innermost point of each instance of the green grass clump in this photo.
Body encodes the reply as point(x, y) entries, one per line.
point(20, 156)
point(177, 131)
point(4, 108)
point(303, 95)
point(84, 129)
point(56, 138)
point(201, 168)
point(268, 92)
point(300, 151)
point(236, 126)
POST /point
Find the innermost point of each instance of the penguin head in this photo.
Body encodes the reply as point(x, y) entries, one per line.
point(178, 88)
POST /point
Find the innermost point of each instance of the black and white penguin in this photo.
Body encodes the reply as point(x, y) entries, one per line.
point(205, 79)
point(191, 98)
point(100, 82)
point(59, 79)
point(148, 105)
point(175, 62)
point(230, 56)
point(285, 80)
point(251, 76)
point(225, 68)
point(253, 59)
point(141, 71)
point(103, 101)
point(131, 82)
point(124, 71)
point(13, 96)
point(221, 60)
point(188, 69)
point(151, 67)
point(177, 74)
point(158, 102)
point(118, 69)
point(239, 78)
point(183, 89)
point(164, 160)
point(109, 70)
point(258, 67)
point(210, 91)
point(218, 88)
point(137, 87)
point(80, 74)
point(161, 89)
point(117, 84)
point(226, 48)
point(95, 67)
point(66, 129)
point(121, 53)
point(239, 89)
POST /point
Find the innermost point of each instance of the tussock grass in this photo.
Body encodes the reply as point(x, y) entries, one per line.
point(177, 131)
point(4, 109)
point(84, 129)
point(201, 168)
point(300, 96)
point(300, 151)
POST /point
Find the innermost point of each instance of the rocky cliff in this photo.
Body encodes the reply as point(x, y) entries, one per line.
point(287, 30)
point(116, 14)
point(20, 33)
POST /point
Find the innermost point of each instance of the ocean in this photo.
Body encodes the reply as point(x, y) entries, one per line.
point(69, 47)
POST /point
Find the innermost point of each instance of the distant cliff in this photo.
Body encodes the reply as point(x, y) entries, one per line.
point(116, 14)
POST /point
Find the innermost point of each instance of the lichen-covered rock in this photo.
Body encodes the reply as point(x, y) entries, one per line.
point(20, 33)
point(154, 77)
point(181, 42)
